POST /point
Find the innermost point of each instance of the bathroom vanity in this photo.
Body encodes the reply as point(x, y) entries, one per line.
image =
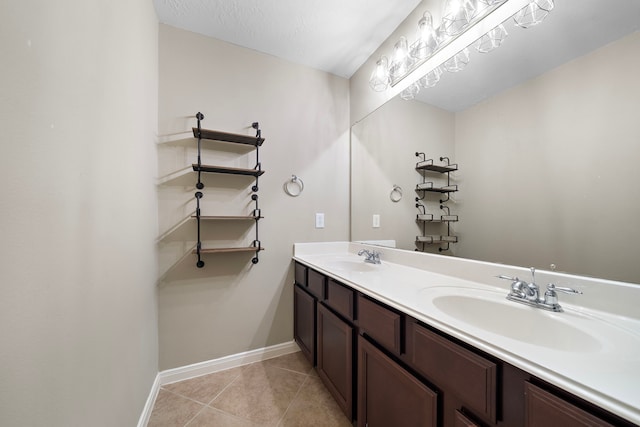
point(426, 340)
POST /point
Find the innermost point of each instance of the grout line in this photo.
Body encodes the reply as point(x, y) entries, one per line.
point(284, 414)
point(223, 390)
point(196, 415)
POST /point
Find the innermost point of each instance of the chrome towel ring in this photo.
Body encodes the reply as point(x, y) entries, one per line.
point(294, 186)
point(396, 193)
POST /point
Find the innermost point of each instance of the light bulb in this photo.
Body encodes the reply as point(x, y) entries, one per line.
point(457, 15)
point(379, 80)
point(427, 40)
point(401, 61)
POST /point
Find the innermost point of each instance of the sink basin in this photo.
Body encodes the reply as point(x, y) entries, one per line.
point(492, 312)
point(355, 266)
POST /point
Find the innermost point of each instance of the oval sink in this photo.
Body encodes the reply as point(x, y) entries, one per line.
point(487, 311)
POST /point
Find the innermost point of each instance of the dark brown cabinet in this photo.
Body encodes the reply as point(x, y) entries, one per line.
point(304, 325)
point(335, 357)
point(385, 368)
point(471, 378)
point(544, 409)
point(388, 395)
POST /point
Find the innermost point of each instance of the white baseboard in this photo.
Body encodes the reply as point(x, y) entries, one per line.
point(209, 367)
point(151, 400)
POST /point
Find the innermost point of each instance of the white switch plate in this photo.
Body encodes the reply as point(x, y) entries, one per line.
point(319, 220)
point(376, 221)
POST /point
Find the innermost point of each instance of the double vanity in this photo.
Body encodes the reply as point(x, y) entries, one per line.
point(428, 340)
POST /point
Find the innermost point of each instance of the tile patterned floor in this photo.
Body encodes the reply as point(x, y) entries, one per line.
point(283, 392)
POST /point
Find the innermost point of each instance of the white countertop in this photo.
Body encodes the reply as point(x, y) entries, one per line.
point(602, 364)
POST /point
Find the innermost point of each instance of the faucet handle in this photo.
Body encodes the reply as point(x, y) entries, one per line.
point(551, 297)
point(552, 287)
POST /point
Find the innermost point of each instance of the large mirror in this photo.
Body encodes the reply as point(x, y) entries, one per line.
point(545, 131)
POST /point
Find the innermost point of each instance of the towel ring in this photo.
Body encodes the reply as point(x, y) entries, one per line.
point(396, 194)
point(294, 186)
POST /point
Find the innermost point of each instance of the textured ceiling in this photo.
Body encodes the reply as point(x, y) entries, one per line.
point(336, 36)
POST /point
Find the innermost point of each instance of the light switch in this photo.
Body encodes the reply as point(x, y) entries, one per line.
point(319, 220)
point(376, 221)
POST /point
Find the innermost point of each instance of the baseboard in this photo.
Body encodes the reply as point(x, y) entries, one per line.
point(209, 367)
point(151, 400)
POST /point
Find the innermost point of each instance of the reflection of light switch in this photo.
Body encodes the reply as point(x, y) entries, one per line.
point(319, 220)
point(376, 221)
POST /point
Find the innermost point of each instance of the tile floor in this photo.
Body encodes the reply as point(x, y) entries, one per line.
point(284, 392)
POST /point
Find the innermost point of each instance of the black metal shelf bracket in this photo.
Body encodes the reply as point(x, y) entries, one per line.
point(200, 263)
point(256, 242)
point(199, 184)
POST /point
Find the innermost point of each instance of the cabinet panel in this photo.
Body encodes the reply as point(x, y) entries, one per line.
point(469, 376)
point(316, 282)
point(304, 323)
point(462, 421)
point(543, 409)
point(390, 396)
point(335, 358)
point(301, 274)
point(380, 323)
point(340, 298)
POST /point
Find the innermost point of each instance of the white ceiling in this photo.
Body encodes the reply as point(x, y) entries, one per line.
point(338, 36)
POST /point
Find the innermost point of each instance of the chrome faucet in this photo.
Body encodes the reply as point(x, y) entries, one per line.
point(372, 257)
point(529, 293)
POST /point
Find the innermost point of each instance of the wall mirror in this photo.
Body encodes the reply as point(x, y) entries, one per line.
point(545, 131)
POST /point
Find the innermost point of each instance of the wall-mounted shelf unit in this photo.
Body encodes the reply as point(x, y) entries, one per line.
point(428, 185)
point(214, 135)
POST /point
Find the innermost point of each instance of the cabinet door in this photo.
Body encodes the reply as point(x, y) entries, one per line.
point(335, 358)
point(304, 323)
point(388, 395)
point(544, 409)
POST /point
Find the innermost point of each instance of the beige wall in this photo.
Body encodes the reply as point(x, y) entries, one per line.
point(550, 171)
point(230, 305)
point(384, 156)
point(78, 314)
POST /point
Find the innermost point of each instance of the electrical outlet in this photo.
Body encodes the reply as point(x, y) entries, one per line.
point(319, 220)
point(376, 221)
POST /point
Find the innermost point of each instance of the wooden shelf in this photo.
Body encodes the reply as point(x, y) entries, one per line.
point(435, 168)
point(227, 170)
point(436, 239)
point(428, 186)
point(227, 217)
point(235, 138)
point(441, 218)
point(227, 250)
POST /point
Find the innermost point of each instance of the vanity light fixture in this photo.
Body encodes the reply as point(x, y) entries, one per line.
point(534, 13)
point(379, 80)
point(459, 16)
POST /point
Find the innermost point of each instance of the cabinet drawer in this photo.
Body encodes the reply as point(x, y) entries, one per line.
point(301, 274)
point(453, 368)
point(543, 409)
point(315, 283)
point(380, 323)
point(340, 298)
